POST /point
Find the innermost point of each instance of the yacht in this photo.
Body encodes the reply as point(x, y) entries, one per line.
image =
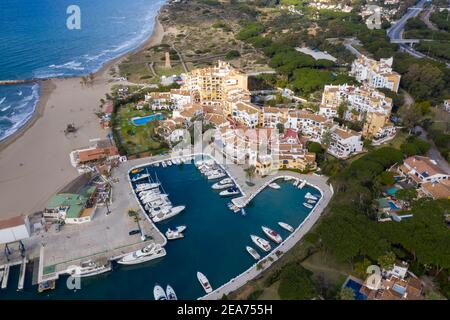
point(169, 163)
point(153, 211)
point(253, 253)
point(204, 282)
point(170, 293)
point(153, 198)
point(223, 184)
point(168, 213)
point(286, 226)
point(163, 163)
point(274, 185)
point(229, 192)
point(274, 236)
point(159, 293)
point(140, 177)
point(175, 234)
point(310, 196)
point(88, 268)
point(150, 252)
point(156, 164)
point(307, 205)
point(261, 243)
point(216, 175)
point(301, 185)
point(143, 194)
point(146, 186)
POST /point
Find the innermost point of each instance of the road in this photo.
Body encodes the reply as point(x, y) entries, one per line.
point(434, 153)
point(396, 31)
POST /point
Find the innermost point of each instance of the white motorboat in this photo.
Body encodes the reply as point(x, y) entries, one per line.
point(169, 163)
point(175, 234)
point(140, 177)
point(159, 203)
point(170, 293)
point(154, 198)
point(217, 175)
point(261, 243)
point(88, 268)
point(204, 282)
point(146, 186)
point(223, 184)
point(286, 226)
point(296, 182)
point(156, 164)
point(301, 185)
point(288, 178)
point(307, 205)
point(159, 293)
point(253, 253)
point(310, 196)
point(163, 164)
point(274, 185)
point(311, 201)
point(151, 191)
point(229, 192)
point(155, 210)
point(274, 236)
point(150, 252)
point(233, 207)
point(168, 213)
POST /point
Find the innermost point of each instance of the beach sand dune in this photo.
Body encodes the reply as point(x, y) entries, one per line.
point(36, 164)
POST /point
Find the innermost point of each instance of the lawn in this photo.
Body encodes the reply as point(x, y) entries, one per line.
point(137, 139)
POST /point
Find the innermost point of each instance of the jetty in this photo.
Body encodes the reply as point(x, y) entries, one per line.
point(18, 81)
point(22, 274)
point(5, 276)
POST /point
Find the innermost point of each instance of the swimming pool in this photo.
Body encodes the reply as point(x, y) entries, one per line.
point(355, 286)
point(142, 121)
point(393, 206)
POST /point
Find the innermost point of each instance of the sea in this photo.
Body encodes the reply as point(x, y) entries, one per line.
point(214, 242)
point(36, 43)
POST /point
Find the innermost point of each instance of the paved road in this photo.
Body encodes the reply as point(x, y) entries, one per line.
point(434, 153)
point(396, 31)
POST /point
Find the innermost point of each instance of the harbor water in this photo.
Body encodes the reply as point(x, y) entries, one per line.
point(214, 242)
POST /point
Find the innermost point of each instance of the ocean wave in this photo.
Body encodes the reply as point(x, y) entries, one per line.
point(19, 93)
point(2, 100)
point(6, 108)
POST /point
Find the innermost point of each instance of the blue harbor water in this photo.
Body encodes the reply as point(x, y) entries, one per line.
point(35, 43)
point(214, 242)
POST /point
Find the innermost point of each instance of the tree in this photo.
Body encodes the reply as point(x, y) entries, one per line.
point(386, 178)
point(250, 172)
point(296, 283)
point(387, 261)
point(411, 115)
point(341, 109)
point(280, 127)
point(406, 194)
point(347, 294)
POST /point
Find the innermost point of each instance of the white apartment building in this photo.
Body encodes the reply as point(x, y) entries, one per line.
point(344, 142)
point(309, 124)
point(245, 113)
point(377, 74)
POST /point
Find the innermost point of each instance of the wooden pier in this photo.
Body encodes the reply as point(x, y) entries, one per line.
point(5, 276)
point(23, 268)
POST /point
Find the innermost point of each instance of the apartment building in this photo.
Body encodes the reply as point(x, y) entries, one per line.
point(309, 124)
point(344, 142)
point(378, 127)
point(377, 74)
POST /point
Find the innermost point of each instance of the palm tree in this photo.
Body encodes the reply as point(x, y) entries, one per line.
point(250, 172)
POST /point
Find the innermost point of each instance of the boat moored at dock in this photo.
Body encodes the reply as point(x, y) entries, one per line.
point(89, 268)
point(274, 236)
point(167, 213)
point(274, 185)
point(307, 205)
point(310, 196)
point(140, 177)
point(253, 253)
point(229, 192)
point(175, 234)
point(261, 243)
point(204, 282)
point(223, 184)
point(170, 293)
point(286, 226)
point(158, 293)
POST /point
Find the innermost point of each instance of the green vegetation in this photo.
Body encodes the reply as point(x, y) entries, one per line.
point(415, 146)
point(347, 294)
point(296, 283)
point(441, 20)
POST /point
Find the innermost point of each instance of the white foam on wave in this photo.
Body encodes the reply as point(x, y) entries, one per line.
point(19, 119)
point(6, 108)
point(2, 100)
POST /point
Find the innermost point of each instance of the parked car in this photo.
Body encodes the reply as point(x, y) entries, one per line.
point(133, 232)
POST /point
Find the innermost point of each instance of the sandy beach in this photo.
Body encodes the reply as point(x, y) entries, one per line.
point(34, 162)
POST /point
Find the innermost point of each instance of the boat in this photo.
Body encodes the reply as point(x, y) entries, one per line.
point(310, 196)
point(163, 164)
point(301, 185)
point(137, 170)
point(174, 234)
point(140, 177)
point(288, 178)
point(170, 293)
point(311, 201)
point(156, 164)
point(261, 243)
point(274, 236)
point(233, 207)
point(150, 199)
point(223, 184)
point(159, 293)
point(296, 182)
point(286, 226)
point(150, 252)
point(204, 282)
point(168, 213)
point(47, 285)
point(229, 192)
point(146, 186)
point(253, 253)
point(243, 212)
point(169, 163)
point(274, 185)
point(89, 268)
point(155, 210)
point(307, 205)
point(217, 175)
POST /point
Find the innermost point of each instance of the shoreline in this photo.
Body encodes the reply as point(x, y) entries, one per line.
point(35, 158)
point(47, 86)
